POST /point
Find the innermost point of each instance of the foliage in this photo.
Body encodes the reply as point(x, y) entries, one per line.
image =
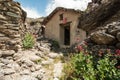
point(28, 41)
point(55, 45)
point(106, 69)
point(85, 67)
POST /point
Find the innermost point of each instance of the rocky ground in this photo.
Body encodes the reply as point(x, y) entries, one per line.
point(33, 64)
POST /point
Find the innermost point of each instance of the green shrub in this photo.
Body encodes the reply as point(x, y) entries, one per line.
point(106, 69)
point(55, 44)
point(28, 41)
point(84, 67)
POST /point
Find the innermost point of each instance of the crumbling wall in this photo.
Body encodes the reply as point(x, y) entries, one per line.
point(12, 18)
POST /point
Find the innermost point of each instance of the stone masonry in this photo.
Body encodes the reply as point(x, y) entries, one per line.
point(12, 19)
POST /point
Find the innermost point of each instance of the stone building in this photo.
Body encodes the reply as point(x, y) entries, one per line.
point(62, 26)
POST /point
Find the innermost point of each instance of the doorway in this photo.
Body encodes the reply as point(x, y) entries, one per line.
point(67, 35)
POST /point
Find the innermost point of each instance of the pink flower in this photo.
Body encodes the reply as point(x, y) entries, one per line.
point(79, 48)
point(85, 43)
point(100, 53)
point(118, 67)
point(108, 51)
point(118, 52)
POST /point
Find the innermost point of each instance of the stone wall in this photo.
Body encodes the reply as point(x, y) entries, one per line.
point(12, 19)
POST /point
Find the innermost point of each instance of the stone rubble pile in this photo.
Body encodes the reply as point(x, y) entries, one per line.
point(12, 18)
point(30, 64)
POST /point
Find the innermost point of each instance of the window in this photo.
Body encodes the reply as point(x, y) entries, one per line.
point(61, 16)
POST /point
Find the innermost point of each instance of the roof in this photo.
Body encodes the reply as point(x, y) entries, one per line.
point(46, 20)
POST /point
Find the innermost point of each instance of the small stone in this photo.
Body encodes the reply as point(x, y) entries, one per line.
point(53, 55)
point(9, 71)
point(28, 63)
point(25, 72)
point(14, 66)
point(34, 58)
point(6, 61)
point(2, 77)
point(56, 78)
point(8, 53)
point(8, 77)
point(32, 69)
point(1, 64)
point(47, 62)
point(58, 70)
point(27, 77)
point(38, 67)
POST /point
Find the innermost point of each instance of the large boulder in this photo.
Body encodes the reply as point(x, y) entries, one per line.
point(12, 18)
point(102, 38)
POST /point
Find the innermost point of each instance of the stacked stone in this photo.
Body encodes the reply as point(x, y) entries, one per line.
point(12, 19)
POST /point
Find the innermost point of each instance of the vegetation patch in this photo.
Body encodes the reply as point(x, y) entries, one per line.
point(84, 65)
point(28, 41)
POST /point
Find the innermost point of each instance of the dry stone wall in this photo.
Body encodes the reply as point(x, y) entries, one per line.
point(12, 19)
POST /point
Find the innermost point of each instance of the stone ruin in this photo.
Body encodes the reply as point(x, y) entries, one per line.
point(12, 19)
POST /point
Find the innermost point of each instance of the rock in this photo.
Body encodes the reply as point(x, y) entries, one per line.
point(40, 54)
point(53, 55)
point(43, 49)
point(26, 61)
point(118, 36)
point(6, 61)
point(2, 77)
point(38, 67)
point(32, 69)
point(11, 14)
point(102, 38)
point(0, 54)
point(17, 56)
point(39, 74)
point(25, 72)
point(15, 76)
point(47, 62)
point(27, 77)
point(8, 77)
point(57, 70)
point(9, 71)
point(14, 66)
point(56, 79)
point(1, 64)
point(8, 53)
point(118, 45)
point(113, 31)
point(29, 63)
point(35, 58)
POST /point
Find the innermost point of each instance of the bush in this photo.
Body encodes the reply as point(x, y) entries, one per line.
point(28, 41)
point(84, 67)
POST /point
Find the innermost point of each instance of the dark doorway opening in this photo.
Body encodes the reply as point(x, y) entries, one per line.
point(67, 35)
